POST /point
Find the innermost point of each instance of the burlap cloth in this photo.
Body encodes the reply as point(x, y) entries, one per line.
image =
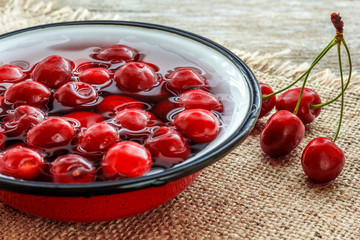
point(246, 195)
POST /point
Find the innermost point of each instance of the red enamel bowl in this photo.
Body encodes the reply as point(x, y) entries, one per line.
point(107, 200)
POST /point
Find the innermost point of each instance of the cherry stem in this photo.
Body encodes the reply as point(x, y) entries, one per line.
point(342, 85)
point(346, 85)
point(326, 49)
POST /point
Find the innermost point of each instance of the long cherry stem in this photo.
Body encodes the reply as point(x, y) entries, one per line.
point(317, 59)
point(328, 47)
point(343, 93)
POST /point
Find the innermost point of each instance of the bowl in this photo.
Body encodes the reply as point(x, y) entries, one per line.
point(107, 200)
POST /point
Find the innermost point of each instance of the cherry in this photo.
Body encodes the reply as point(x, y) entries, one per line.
point(11, 74)
point(2, 138)
point(135, 77)
point(117, 53)
point(183, 79)
point(52, 132)
point(199, 125)
point(135, 122)
point(28, 93)
point(198, 98)
point(322, 161)
point(110, 105)
point(267, 104)
point(84, 119)
point(168, 146)
point(2, 105)
point(22, 119)
point(98, 138)
point(288, 101)
point(126, 159)
point(164, 109)
point(75, 94)
point(21, 163)
point(95, 76)
point(72, 168)
point(53, 71)
point(283, 131)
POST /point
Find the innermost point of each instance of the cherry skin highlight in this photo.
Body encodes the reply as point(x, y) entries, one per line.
point(27, 93)
point(52, 132)
point(135, 77)
point(21, 163)
point(75, 94)
point(288, 100)
point(322, 160)
point(282, 133)
point(168, 146)
point(117, 53)
point(198, 98)
point(126, 159)
point(98, 138)
point(199, 125)
point(72, 168)
point(183, 79)
point(110, 105)
point(268, 104)
point(22, 119)
point(53, 71)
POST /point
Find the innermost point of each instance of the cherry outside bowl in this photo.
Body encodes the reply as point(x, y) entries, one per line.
point(101, 201)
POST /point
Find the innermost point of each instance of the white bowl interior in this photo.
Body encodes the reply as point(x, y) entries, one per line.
point(225, 79)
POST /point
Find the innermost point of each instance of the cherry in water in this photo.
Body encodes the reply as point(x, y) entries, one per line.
point(11, 74)
point(126, 159)
point(73, 94)
point(21, 163)
point(83, 119)
point(95, 76)
point(183, 79)
point(282, 133)
point(267, 104)
point(53, 71)
point(110, 105)
point(198, 98)
point(289, 99)
point(117, 53)
point(72, 168)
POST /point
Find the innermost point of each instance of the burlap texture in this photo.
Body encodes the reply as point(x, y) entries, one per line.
point(246, 195)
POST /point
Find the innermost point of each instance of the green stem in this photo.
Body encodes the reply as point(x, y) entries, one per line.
point(328, 47)
point(317, 59)
point(343, 92)
point(346, 85)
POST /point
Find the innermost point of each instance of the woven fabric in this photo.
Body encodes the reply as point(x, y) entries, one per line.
point(245, 195)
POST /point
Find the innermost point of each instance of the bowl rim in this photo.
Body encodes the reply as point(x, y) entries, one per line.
point(157, 179)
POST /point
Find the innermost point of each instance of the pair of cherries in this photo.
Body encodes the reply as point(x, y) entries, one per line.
point(322, 160)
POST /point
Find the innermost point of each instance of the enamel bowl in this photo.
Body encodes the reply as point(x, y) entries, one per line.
point(102, 201)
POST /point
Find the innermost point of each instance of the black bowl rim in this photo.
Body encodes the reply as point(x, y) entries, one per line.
point(158, 179)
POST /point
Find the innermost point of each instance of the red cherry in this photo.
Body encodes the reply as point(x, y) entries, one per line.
point(74, 94)
point(168, 146)
point(22, 119)
point(28, 93)
point(268, 104)
point(288, 100)
point(11, 74)
point(322, 160)
point(183, 79)
point(117, 53)
point(98, 138)
point(135, 77)
point(110, 105)
point(52, 132)
point(2, 106)
point(199, 125)
point(72, 168)
point(21, 163)
point(84, 119)
point(53, 71)
point(95, 76)
point(197, 98)
point(135, 122)
point(164, 109)
point(282, 133)
point(126, 159)
point(2, 138)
